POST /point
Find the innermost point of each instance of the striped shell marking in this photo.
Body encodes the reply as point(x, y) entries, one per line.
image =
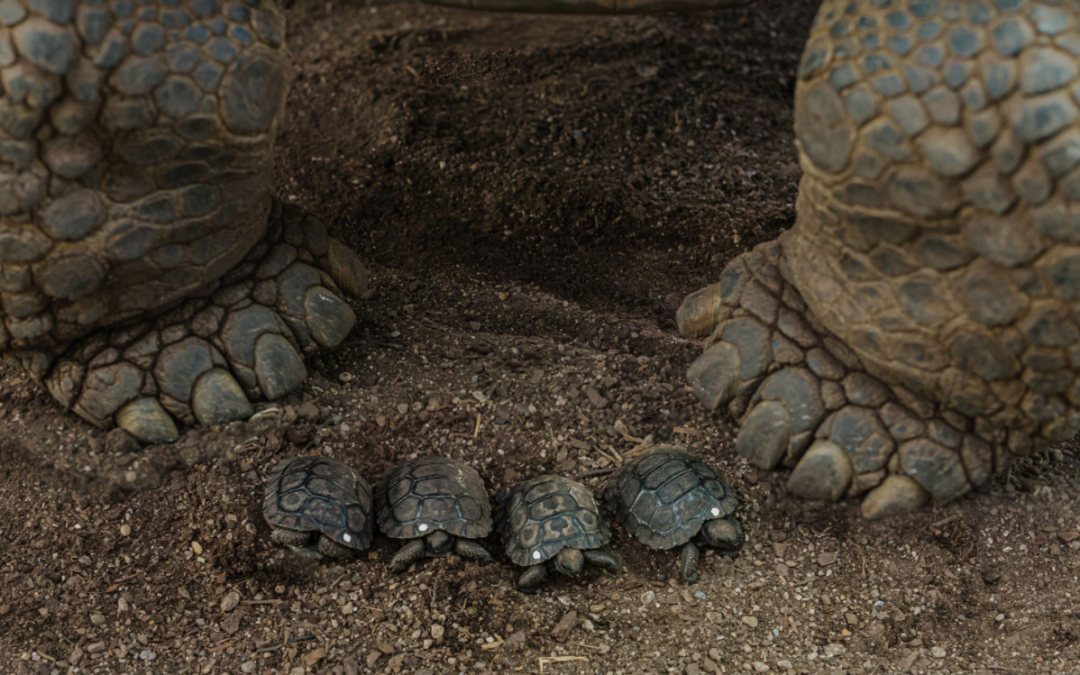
point(433, 493)
point(662, 498)
point(309, 494)
point(547, 514)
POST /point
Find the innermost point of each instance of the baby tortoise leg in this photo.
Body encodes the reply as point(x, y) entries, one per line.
point(205, 361)
point(471, 550)
point(602, 560)
point(300, 542)
point(290, 538)
point(689, 556)
point(331, 549)
point(531, 579)
point(407, 555)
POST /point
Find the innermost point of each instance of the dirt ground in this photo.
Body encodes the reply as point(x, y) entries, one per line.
point(534, 196)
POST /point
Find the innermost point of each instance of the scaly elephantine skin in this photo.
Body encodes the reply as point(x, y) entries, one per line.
point(146, 274)
point(917, 329)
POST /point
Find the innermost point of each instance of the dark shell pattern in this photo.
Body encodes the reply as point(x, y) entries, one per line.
point(663, 497)
point(547, 514)
point(309, 494)
point(433, 493)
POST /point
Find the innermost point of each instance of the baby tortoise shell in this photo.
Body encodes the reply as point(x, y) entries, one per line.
point(547, 514)
point(669, 499)
point(433, 493)
point(663, 497)
point(551, 521)
point(309, 495)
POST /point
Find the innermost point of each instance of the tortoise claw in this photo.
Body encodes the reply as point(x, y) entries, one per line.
point(896, 494)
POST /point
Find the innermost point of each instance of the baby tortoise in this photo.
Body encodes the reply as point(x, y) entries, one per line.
point(439, 505)
point(319, 507)
point(669, 498)
point(551, 520)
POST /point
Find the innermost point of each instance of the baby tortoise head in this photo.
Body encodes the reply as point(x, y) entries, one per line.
point(570, 561)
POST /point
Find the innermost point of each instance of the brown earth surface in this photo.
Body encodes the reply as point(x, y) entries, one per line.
point(534, 196)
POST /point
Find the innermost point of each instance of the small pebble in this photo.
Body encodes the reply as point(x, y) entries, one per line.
point(750, 621)
point(196, 547)
point(125, 530)
point(826, 559)
point(230, 601)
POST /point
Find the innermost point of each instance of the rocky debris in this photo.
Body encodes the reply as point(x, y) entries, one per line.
point(230, 601)
point(566, 624)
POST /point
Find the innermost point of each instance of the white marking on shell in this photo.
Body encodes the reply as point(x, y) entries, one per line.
point(716, 512)
point(346, 537)
point(423, 527)
point(536, 555)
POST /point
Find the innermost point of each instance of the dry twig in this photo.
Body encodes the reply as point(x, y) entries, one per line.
point(548, 660)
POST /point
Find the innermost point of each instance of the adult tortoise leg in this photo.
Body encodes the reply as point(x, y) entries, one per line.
point(147, 277)
point(916, 330)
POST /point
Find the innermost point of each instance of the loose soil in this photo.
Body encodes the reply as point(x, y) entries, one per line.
point(534, 196)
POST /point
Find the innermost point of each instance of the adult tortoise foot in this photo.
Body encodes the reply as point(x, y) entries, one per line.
point(917, 328)
point(205, 361)
point(806, 401)
point(147, 277)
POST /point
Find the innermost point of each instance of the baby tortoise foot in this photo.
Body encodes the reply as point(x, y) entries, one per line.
point(470, 550)
point(243, 340)
point(805, 401)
